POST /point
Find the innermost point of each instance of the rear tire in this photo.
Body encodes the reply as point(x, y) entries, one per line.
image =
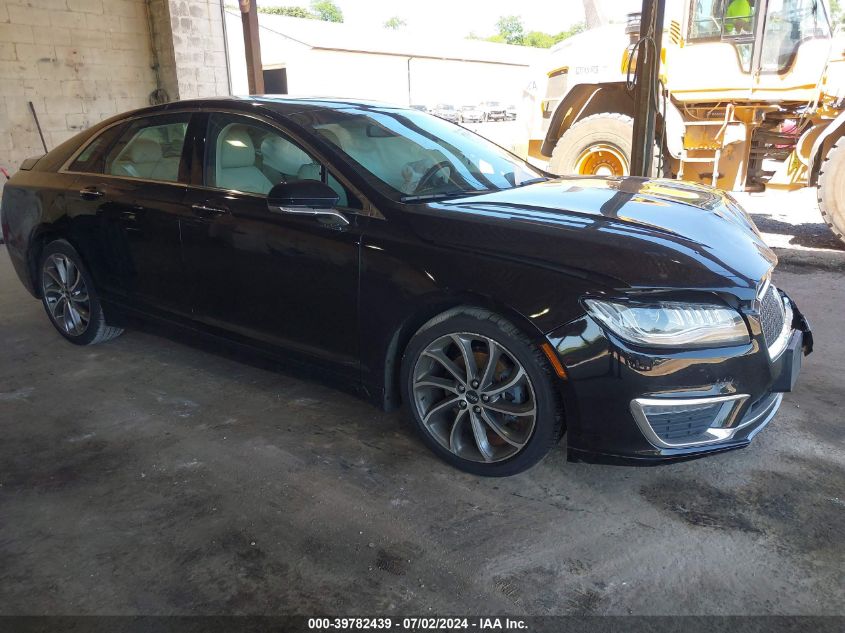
point(496, 419)
point(831, 190)
point(598, 145)
point(69, 297)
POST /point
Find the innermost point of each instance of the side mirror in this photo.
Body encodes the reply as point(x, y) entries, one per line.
point(305, 197)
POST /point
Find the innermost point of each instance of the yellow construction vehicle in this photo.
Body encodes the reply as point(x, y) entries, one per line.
point(753, 97)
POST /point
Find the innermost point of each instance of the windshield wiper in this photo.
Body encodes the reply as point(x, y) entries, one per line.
point(533, 181)
point(439, 196)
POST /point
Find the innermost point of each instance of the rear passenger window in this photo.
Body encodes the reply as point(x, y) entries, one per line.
point(90, 159)
point(150, 149)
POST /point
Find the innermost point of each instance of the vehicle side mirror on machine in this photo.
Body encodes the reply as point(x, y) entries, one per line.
point(305, 197)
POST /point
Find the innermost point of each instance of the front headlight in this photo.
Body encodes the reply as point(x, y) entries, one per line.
point(671, 324)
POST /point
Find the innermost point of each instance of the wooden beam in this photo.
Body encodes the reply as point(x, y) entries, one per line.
point(252, 46)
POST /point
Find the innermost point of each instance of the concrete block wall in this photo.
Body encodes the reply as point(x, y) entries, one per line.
point(77, 61)
point(81, 61)
point(199, 48)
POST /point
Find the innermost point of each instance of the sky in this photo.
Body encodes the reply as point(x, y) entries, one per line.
point(459, 18)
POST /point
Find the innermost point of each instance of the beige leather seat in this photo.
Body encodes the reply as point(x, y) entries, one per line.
point(236, 167)
point(143, 159)
point(283, 156)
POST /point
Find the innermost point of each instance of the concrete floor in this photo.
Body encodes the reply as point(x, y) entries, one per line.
point(149, 476)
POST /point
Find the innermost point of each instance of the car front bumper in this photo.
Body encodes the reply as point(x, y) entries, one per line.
point(630, 405)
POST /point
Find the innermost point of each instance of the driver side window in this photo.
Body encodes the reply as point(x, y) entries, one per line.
point(726, 20)
point(246, 155)
point(715, 19)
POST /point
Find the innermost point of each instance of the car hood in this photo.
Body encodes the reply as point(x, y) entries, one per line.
point(631, 232)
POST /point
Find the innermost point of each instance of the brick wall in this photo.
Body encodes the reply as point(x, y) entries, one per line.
point(81, 61)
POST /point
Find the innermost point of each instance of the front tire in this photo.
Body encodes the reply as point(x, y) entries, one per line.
point(69, 296)
point(831, 191)
point(481, 394)
point(598, 145)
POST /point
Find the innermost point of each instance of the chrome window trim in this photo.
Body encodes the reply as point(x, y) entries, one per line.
point(65, 168)
point(720, 434)
point(177, 183)
point(369, 210)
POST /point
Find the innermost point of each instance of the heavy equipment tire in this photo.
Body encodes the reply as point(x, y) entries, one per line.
point(831, 190)
point(481, 393)
point(598, 145)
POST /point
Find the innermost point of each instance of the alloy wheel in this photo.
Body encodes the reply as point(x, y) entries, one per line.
point(66, 294)
point(474, 397)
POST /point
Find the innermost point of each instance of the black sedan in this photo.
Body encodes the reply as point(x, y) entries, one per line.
point(414, 261)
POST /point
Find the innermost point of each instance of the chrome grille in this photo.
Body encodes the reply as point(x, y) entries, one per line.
point(771, 315)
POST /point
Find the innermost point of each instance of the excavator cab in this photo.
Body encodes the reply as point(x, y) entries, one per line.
point(750, 50)
point(756, 99)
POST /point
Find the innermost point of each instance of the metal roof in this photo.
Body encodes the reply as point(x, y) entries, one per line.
point(317, 34)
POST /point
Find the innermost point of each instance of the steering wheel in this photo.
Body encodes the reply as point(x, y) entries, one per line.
point(430, 173)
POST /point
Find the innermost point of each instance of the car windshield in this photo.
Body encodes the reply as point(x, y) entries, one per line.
point(417, 155)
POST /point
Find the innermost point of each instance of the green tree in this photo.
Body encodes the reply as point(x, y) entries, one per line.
point(395, 23)
point(327, 10)
point(511, 32)
point(575, 29)
point(294, 12)
point(837, 13)
point(538, 39)
point(510, 29)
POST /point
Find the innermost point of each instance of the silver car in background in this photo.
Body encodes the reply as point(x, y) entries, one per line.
point(493, 111)
point(470, 114)
point(446, 111)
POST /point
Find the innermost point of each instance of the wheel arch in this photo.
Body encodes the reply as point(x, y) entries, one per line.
point(823, 144)
point(585, 100)
point(582, 101)
point(422, 314)
point(41, 236)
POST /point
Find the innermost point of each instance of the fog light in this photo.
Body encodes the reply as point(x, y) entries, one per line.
point(673, 423)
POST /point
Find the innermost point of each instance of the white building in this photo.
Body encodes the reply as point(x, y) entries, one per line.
point(311, 57)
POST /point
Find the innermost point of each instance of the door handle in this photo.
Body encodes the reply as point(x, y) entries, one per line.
point(206, 211)
point(90, 193)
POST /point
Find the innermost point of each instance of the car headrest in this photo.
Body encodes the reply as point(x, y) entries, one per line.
point(311, 171)
point(144, 150)
point(282, 155)
point(236, 148)
point(330, 136)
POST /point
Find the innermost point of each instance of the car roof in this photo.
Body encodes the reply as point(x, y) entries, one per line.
point(281, 104)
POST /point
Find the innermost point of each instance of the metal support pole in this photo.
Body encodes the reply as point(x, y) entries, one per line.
point(252, 46)
point(646, 95)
